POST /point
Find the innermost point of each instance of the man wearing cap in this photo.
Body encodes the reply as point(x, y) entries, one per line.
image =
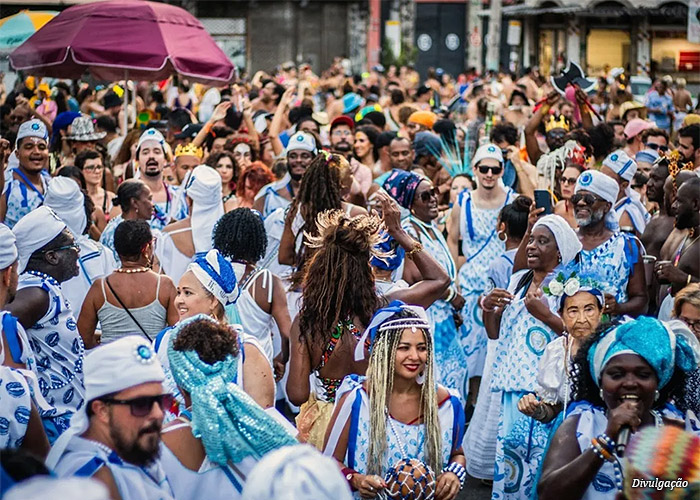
point(187, 157)
point(473, 221)
point(26, 188)
point(48, 256)
point(112, 104)
point(150, 154)
point(631, 213)
point(65, 198)
point(115, 436)
point(420, 121)
point(633, 135)
point(301, 150)
point(614, 256)
point(342, 143)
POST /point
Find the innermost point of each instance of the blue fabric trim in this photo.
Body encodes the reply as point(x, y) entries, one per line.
point(232, 478)
point(631, 252)
point(90, 468)
point(470, 223)
point(9, 327)
point(458, 422)
point(159, 337)
point(354, 422)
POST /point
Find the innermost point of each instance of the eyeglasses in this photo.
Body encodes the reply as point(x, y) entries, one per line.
point(693, 324)
point(660, 147)
point(426, 195)
point(93, 168)
point(341, 133)
point(140, 407)
point(494, 170)
point(588, 199)
point(74, 246)
point(568, 180)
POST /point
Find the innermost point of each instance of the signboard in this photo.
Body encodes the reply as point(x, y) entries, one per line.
point(515, 29)
point(392, 34)
point(694, 21)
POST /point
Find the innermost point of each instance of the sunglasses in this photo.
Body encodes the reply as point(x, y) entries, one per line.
point(426, 195)
point(140, 407)
point(660, 147)
point(588, 199)
point(494, 170)
point(568, 180)
point(93, 168)
point(73, 246)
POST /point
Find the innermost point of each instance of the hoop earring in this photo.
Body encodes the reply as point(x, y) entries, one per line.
point(505, 236)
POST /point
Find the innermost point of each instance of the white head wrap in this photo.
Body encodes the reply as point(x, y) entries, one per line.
point(621, 163)
point(150, 134)
point(68, 201)
point(300, 472)
point(110, 368)
point(32, 128)
point(36, 488)
point(566, 238)
point(604, 186)
point(8, 247)
point(204, 189)
point(487, 151)
point(35, 230)
point(217, 275)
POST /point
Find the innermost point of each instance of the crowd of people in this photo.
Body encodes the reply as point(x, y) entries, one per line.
point(350, 286)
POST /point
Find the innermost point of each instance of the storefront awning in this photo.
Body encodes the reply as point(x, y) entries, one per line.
point(667, 11)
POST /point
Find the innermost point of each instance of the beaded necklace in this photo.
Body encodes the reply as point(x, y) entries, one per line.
point(133, 270)
point(43, 276)
point(402, 445)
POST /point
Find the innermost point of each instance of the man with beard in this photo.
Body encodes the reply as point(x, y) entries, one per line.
point(615, 257)
point(301, 150)
point(150, 154)
point(619, 133)
point(472, 224)
point(661, 224)
point(689, 144)
point(631, 213)
point(27, 187)
point(685, 266)
point(342, 142)
point(115, 437)
point(48, 256)
point(269, 96)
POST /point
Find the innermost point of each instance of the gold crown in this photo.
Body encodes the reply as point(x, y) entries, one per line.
point(188, 150)
point(560, 122)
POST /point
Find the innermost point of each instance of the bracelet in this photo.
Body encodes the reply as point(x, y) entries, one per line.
point(417, 248)
point(451, 295)
point(458, 470)
point(606, 441)
point(347, 474)
point(601, 451)
point(481, 304)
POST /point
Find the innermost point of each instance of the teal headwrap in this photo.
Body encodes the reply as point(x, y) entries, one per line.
point(230, 424)
point(664, 346)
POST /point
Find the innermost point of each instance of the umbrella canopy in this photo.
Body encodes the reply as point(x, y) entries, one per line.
point(17, 28)
point(148, 40)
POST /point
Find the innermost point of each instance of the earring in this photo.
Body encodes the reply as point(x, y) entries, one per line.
point(502, 236)
point(420, 378)
point(601, 393)
point(559, 256)
point(656, 396)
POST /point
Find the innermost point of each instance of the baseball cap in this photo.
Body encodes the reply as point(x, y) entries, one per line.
point(636, 126)
point(343, 120)
point(487, 151)
point(301, 141)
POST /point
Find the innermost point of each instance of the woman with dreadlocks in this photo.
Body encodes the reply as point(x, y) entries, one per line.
point(320, 190)
point(397, 429)
point(339, 299)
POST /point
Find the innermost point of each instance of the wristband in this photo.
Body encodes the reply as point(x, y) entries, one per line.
point(348, 473)
point(458, 470)
point(481, 304)
point(450, 295)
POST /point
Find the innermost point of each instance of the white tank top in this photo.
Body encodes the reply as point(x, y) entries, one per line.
point(254, 320)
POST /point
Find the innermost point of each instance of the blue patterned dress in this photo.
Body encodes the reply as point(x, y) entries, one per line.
point(59, 353)
point(480, 246)
point(22, 199)
point(15, 407)
point(612, 262)
point(450, 361)
point(401, 439)
point(521, 343)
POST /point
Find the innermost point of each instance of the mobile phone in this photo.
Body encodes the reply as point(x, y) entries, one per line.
point(543, 200)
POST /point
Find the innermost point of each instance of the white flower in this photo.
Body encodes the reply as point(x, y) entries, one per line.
point(571, 286)
point(556, 288)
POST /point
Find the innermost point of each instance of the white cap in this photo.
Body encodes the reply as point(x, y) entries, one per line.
point(150, 134)
point(32, 128)
point(620, 163)
point(302, 141)
point(8, 248)
point(487, 151)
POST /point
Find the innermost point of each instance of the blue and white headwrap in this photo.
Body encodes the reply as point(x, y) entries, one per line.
point(216, 274)
point(390, 256)
point(231, 425)
point(664, 345)
point(604, 186)
point(382, 321)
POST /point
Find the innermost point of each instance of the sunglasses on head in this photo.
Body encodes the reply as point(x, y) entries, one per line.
point(588, 199)
point(660, 147)
point(494, 170)
point(142, 406)
point(426, 195)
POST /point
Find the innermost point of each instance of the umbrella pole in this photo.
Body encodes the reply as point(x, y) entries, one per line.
point(126, 103)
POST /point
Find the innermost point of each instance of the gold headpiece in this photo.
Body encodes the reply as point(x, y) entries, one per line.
point(188, 150)
point(560, 122)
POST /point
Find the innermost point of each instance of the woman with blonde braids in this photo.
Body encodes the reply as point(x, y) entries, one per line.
point(398, 419)
point(339, 299)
